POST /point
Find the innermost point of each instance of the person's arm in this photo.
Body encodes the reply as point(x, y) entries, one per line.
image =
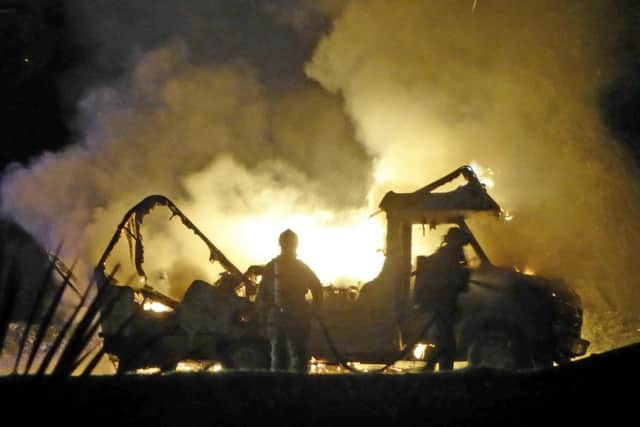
point(315, 286)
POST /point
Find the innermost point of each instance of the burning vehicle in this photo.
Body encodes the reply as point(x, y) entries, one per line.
point(506, 319)
point(142, 327)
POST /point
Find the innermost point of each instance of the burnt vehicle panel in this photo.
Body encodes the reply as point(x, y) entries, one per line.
point(142, 327)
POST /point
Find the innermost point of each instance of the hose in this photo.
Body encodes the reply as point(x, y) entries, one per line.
point(343, 362)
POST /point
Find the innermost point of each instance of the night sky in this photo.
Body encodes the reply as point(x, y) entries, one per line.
point(36, 52)
point(49, 60)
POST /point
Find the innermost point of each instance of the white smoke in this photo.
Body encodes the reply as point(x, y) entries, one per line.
point(212, 138)
point(426, 86)
point(514, 87)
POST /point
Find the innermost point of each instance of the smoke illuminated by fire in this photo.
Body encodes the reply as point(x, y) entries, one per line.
point(435, 84)
point(400, 93)
point(348, 250)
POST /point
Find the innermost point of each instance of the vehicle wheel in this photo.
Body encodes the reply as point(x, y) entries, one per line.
point(495, 350)
point(247, 355)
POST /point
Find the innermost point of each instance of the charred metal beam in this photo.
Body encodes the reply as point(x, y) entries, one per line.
point(133, 219)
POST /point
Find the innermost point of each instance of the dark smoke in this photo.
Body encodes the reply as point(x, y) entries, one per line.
point(217, 89)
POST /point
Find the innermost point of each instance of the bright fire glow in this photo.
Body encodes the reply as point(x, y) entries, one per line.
point(185, 367)
point(507, 216)
point(195, 366)
point(341, 247)
point(419, 351)
point(156, 307)
point(484, 175)
point(317, 366)
point(336, 250)
point(216, 368)
point(526, 270)
point(147, 371)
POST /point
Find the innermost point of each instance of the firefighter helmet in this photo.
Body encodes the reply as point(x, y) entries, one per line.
point(288, 238)
point(456, 236)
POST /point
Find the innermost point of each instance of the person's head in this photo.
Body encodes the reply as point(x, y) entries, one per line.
point(457, 237)
point(288, 243)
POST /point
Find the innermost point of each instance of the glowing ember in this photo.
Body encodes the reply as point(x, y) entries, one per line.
point(506, 215)
point(317, 366)
point(186, 367)
point(526, 270)
point(147, 371)
point(420, 350)
point(156, 307)
point(484, 175)
point(216, 368)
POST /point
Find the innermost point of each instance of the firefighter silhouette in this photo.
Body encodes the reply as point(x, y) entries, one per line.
point(440, 278)
point(282, 298)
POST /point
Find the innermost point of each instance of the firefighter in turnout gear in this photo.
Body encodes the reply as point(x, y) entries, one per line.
point(282, 300)
point(440, 278)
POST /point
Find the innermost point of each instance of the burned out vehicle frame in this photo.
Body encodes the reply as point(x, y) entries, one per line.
point(506, 319)
point(211, 322)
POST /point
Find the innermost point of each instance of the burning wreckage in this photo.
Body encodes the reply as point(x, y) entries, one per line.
point(506, 319)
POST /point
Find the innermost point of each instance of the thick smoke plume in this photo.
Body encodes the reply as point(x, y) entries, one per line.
point(513, 87)
point(211, 108)
point(214, 139)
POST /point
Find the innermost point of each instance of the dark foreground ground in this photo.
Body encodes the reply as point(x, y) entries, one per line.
point(602, 388)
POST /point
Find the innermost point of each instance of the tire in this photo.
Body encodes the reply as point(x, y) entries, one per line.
point(496, 350)
point(247, 356)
